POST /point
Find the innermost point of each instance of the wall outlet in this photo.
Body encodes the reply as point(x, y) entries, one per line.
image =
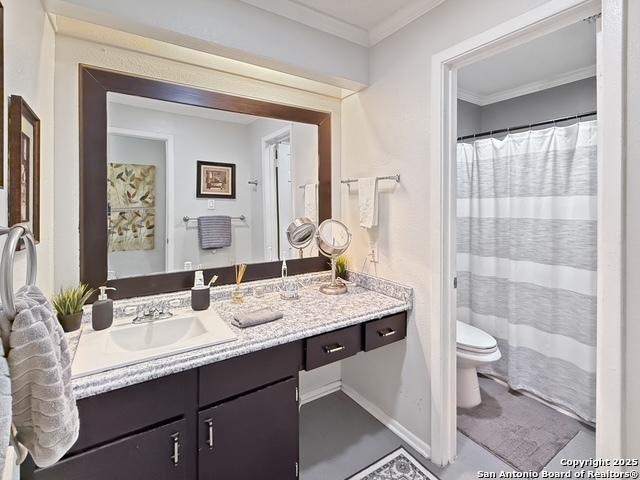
point(211, 204)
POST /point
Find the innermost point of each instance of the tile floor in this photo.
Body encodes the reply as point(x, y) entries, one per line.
point(339, 438)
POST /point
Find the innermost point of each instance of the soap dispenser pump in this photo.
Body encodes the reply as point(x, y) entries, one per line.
point(102, 310)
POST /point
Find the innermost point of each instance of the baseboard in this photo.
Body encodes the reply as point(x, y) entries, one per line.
point(319, 392)
point(412, 440)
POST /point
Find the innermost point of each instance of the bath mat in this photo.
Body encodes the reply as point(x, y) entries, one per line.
point(398, 465)
point(521, 431)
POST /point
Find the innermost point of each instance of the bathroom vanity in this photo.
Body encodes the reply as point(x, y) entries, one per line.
point(227, 411)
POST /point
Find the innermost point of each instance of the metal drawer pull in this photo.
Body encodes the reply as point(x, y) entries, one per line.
point(387, 332)
point(209, 422)
point(333, 348)
point(176, 449)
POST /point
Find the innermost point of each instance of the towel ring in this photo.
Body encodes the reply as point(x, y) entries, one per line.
point(16, 233)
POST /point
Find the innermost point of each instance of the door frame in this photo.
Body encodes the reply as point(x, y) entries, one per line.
point(547, 18)
point(169, 190)
point(268, 180)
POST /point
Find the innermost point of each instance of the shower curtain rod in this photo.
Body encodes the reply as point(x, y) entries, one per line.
point(529, 126)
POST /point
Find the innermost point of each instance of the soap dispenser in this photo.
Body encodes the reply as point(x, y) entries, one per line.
point(102, 310)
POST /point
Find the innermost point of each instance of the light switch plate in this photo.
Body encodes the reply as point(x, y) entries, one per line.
point(211, 204)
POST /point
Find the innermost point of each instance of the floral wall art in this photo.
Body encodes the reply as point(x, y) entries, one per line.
point(131, 193)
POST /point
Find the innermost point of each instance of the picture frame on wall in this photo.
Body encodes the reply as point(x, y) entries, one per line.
point(24, 165)
point(215, 180)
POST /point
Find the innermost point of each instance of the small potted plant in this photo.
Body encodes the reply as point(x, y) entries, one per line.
point(342, 266)
point(68, 304)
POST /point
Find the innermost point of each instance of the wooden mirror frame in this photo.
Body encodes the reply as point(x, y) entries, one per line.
point(95, 83)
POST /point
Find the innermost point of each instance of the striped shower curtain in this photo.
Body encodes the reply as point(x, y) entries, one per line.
point(526, 258)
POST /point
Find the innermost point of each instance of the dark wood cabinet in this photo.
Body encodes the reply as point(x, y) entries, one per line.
point(232, 420)
point(158, 453)
point(251, 436)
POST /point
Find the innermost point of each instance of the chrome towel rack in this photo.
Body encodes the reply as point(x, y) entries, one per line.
point(387, 177)
point(187, 218)
point(14, 235)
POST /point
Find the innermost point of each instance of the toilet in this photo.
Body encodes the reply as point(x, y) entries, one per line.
point(475, 347)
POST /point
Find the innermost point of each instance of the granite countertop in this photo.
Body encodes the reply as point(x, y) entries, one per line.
point(313, 313)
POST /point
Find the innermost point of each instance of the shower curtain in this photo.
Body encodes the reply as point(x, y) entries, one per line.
point(526, 258)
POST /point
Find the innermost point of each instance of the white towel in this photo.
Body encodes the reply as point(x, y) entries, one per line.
point(44, 407)
point(368, 201)
point(311, 202)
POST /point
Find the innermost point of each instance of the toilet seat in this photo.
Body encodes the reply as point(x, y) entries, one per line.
point(473, 340)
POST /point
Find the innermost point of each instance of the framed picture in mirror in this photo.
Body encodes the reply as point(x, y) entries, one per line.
point(24, 165)
point(215, 180)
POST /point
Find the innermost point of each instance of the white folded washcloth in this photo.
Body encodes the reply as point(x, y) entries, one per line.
point(368, 201)
point(44, 406)
point(311, 202)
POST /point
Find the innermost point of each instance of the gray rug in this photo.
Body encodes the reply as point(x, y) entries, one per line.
point(398, 465)
point(521, 431)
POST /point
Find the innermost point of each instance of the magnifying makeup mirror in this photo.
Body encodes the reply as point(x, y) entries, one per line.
point(300, 234)
point(333, 239)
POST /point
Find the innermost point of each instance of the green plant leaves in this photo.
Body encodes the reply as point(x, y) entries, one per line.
point(71, 300)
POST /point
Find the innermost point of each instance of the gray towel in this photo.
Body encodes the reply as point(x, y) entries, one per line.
point(255, 317)
point(44, 407)
point(214, 232)
point(5, 408)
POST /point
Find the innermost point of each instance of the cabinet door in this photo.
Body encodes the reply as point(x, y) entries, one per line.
point(251, 437)
point(157, 454)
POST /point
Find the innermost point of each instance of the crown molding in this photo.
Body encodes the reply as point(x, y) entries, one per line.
point(321, 21)
point(533, 87)
point(400, 19)
point(313, 18)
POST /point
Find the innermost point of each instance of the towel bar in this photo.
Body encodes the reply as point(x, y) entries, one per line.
point(388, 177)
point(14, 234)
point(186, 218)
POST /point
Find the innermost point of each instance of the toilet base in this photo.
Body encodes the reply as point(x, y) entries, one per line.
point(468, 388)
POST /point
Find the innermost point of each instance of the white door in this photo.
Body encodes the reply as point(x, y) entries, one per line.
point(284, 196)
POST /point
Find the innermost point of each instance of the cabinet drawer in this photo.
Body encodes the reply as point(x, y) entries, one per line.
point(117, 413)
point(238, 375)
point(149, 455)
point(332, 346)
point(385, 331)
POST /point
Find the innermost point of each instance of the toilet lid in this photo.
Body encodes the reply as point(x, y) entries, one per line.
point(474, 339)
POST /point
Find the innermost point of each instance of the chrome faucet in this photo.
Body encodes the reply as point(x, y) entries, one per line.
point(151, 312)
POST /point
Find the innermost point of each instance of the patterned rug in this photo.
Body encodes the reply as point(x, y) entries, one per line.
point(398, 465)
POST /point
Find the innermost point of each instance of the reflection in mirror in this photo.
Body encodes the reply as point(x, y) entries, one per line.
point(300, 234)
point(191, 187)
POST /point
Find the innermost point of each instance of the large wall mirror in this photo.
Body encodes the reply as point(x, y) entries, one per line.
point(176, 179)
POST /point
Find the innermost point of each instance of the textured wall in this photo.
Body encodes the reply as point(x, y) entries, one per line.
point(385, 131)
point(29, 72)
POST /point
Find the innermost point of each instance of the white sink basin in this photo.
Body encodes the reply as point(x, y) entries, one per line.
point(127, 344)
point(157, 334)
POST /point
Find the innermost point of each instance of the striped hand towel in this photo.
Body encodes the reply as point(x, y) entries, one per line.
point(44, 406)
point(214, 232)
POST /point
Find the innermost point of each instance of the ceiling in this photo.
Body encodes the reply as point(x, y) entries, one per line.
point(365, 22)
point(563, 56)
point(180, 109)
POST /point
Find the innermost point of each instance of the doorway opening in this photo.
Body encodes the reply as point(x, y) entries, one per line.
point(446, 67)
